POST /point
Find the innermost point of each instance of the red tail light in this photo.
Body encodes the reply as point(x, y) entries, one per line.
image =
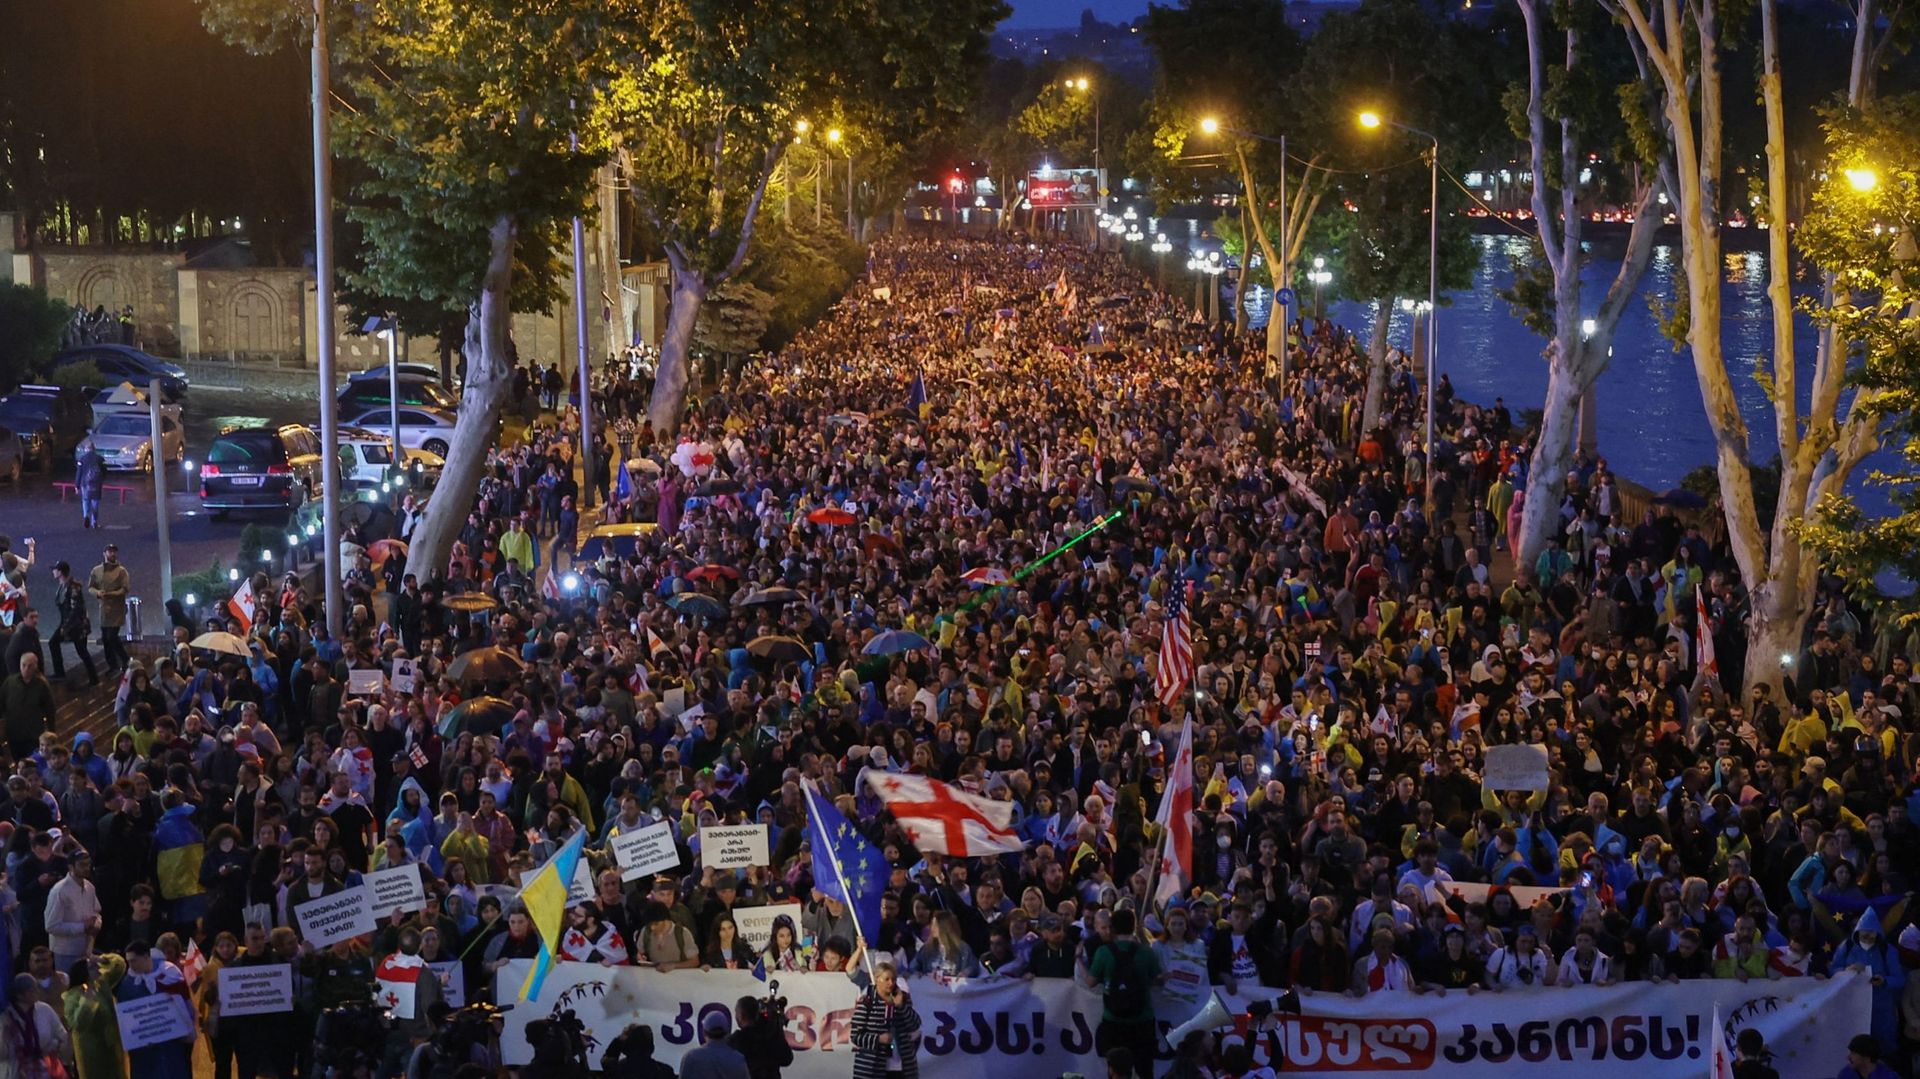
point(279, 470)
point(209, 470)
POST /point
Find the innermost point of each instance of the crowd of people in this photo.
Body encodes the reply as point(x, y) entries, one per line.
point(1358, 645)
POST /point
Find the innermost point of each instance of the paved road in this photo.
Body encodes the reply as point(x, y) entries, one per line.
point(36, 510)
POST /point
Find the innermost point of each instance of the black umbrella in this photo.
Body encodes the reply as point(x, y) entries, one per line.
point(780, 649)
point(719, 486)
point(777, 596)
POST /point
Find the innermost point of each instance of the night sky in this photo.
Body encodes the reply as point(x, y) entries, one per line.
point(1028, 14)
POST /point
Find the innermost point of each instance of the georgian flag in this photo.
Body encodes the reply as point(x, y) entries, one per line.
point(941, 820)
point(1720, 1059)
point(1703, 631)
point(192, 962)
point(609, 949)
point(243, 606)
point(398, 978)
point(1175, 821)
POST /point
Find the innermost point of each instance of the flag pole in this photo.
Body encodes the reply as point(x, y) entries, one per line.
point(834, 860)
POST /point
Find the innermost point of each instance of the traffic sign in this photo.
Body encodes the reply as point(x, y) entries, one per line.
point(1283, 296)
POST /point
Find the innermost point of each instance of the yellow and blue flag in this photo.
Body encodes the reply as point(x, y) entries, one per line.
point(917, 394)
point(545, 895)
point(845, 865)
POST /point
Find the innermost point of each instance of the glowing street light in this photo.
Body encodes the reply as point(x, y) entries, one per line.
point(1862, 180)
point(1209, 126)
point(833, 134)
point(801, 127)
point(1587, 326)
point(1370, 120)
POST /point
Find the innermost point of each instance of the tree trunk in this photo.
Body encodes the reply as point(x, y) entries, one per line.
point(1377, 364)
point(489, 378)
point(670, 383)
point(1547, 468)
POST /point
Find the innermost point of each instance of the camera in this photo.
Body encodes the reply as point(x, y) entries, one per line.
point(464, 1029)
point(773, 1007)
point(559, 1044)
point(350, 1037)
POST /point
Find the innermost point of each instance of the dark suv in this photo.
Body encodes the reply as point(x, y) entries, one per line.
point(253, 468)
point(370, 390)
point(50, 420)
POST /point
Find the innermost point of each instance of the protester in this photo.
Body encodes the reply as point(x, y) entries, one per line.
point(942, 537)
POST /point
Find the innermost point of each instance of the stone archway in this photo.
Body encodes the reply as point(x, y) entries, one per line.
point(253, 320)
point(100, 286)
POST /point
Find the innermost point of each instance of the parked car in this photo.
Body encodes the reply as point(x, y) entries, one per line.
point(364, 391)
point(125, 439)
point(429, 429)
point(49, 419)
point(13, 455)
point(253, 468)
point(124, 363)
point(366, 457)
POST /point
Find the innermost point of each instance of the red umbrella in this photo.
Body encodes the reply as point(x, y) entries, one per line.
point(987, 575)
point(831, 515)
point(713, 571)
point(877, 542)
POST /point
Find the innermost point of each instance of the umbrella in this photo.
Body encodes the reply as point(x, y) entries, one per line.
point(904, 413)
point(713, 571)
point(777, 596)
point(225, 644)
point(986, 575)
point(481, 714)
point(697, 605)
point(485, 665)
point(470, 602)
point(848, 419)
point(1111, 301)
point(874, 541)
point(643, 464)
point(718, 487)
point(831, 515)
point(780, 649)
point(1112, 355)
point(1135, 485)
point(1680, 496)
point(896, 640)
point(387, 548)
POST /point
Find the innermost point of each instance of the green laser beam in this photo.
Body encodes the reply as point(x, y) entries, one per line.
point(1043, 560)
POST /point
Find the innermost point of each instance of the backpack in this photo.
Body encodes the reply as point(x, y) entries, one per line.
point(1126, 989)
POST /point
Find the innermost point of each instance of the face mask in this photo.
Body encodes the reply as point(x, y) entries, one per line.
point(1224, 842)
point(1733, 833)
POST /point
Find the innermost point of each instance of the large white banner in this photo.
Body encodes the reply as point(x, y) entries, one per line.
point(981, 1029)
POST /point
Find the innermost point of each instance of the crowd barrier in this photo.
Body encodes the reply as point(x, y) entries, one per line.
point(998, 1028)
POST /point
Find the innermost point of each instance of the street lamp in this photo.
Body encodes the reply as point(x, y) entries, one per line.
point(1319, 276)
point(1373, 121)
point(1084, 86)
point(1862, 179)
point(1282, 279)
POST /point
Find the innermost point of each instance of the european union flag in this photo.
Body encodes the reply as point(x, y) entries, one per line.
point(622, 480)
point(845, 866)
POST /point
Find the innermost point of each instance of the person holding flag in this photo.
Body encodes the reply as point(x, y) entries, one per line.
point(846, 866)
point(545, 896)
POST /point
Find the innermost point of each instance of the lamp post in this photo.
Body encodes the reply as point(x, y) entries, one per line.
point(1320, 276)
point(1085, 86)
point(826, 157)
point(1373, 121)
point(1282, 279)
point(336, 600)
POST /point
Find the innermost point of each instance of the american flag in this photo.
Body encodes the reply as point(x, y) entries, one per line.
point(1176, 648)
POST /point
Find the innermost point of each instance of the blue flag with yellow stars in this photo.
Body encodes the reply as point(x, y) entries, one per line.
point(845, 866)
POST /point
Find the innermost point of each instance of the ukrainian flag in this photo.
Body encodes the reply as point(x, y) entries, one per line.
point(178, 849)
point(545, 896)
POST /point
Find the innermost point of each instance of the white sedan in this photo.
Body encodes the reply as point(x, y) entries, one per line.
point(429, 429)
point(125, 439)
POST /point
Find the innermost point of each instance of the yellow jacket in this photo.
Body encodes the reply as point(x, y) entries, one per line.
point(472, 850)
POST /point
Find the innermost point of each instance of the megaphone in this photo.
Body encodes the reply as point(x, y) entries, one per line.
point(1213, 1014)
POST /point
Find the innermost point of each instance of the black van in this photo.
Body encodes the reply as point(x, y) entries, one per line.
point(255, 468)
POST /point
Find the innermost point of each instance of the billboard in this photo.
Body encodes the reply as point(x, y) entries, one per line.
point(1054, 189)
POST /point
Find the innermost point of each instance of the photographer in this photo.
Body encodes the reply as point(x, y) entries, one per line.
point(715, 1059)
point(761, 1036)
point(630, 1056)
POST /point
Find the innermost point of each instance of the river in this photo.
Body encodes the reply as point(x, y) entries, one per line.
point(1653, 428)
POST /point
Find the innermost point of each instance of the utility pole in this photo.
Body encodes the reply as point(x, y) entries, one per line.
point(159, 459)
point(323, 314)
point(586, 371)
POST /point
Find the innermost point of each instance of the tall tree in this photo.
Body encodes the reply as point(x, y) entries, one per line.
point(479, 125)
point(1571, 109)
point(712, 100)
point(1682, 42)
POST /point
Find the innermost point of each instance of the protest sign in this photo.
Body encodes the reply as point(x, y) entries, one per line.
point(645, 851)
point(398, 888)
point(1515, 768)
point(366, 683)
point(335, 917)
point(152, 1019)
point(261, 990)
point(580, 888)
point(756, 923)
point(453, 982)
point(734, 846)
point(996, 1027)
point(406, 675)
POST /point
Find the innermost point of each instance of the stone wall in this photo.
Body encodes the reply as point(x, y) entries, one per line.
point(113, 279)
point(247, 315)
